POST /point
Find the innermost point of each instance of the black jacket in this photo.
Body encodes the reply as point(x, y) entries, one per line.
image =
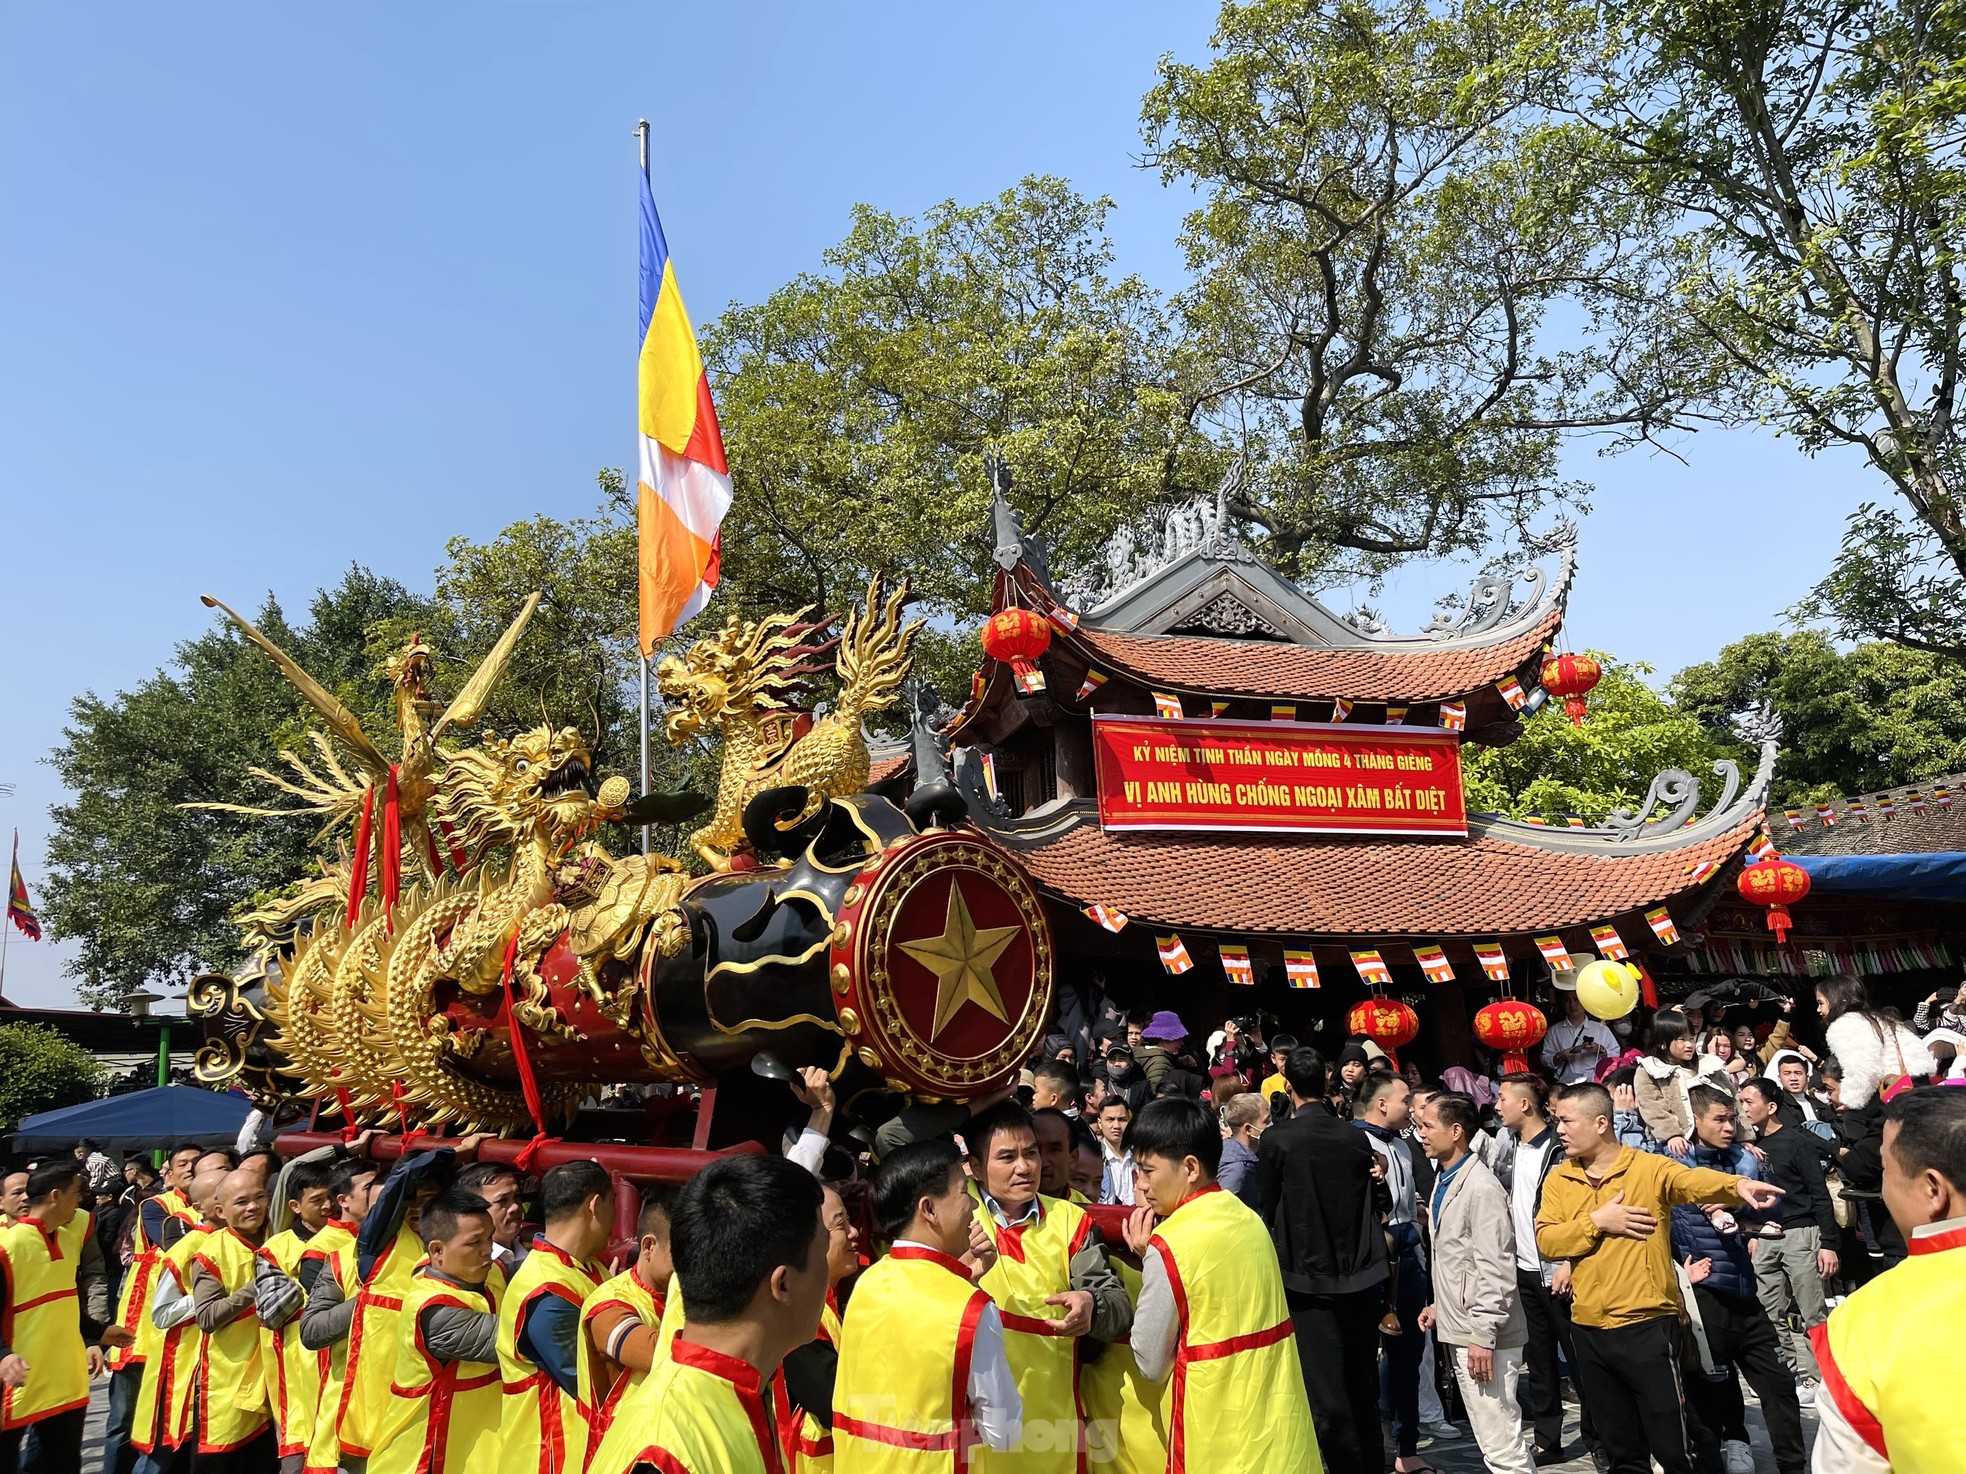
point(1321, 1203)
point(1794, 1163)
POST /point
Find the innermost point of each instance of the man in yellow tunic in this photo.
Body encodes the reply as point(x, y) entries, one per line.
point(803, 1395)
point(329, 1273)
point(45, 1363)
point(1888, 1379)
point(293, 1373)
point(749, 1244)
point(446, 1390)
point(620, 1319)
point(235, 1420)
point(165, 1417)
point(542, 1429)
point(161, 1220)
point(1051, 1283)
point(923, 1374)
point(1212, 1308)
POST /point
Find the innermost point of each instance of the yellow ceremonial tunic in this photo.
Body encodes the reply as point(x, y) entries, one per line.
point(697, 1412)
point(170, 1370)
point(901, 1395)
point(542, 1430)
point(293, 1373)
point(133, 1304)
point(334, 1248)
point(232, 1401)
point(1237, 1400)
point(365, 1379)
point(1034, 1261)
point(807, 1443)
point(1882, 1371)
point(42, 1319)
point(603, 1382)
point(443, 1415)
point(672, 1321)
point(1125, 1414)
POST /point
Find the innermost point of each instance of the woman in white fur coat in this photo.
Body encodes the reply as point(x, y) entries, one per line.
point(1872, 1048)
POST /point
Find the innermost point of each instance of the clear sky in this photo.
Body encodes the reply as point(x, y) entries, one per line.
point(288, 287)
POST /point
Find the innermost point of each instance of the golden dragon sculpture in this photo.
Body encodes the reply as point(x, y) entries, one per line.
point(744, 681)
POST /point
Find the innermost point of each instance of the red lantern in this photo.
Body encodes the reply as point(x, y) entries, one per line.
point(1018, 637)
point(1511, 1027)
point(1776, 884)
point(1571, 677)
point(1385, 1021)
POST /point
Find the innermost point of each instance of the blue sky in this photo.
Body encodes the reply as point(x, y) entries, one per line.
point(288, 287)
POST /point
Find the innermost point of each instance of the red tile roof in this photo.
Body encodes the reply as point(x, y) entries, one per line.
point(886, 767)
point(1269, 668)
point(1344, 886)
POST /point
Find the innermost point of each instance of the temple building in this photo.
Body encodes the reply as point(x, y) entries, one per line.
point(1147, 768)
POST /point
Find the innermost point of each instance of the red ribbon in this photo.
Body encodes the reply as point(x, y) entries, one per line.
point(528, 1083)
point(358, 880)
point(450, 843)
point(396, 1093)
point(349, 1130)
point(392, 851)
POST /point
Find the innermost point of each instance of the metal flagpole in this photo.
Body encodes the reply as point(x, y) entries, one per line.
point(7, 922)
point(642, 134)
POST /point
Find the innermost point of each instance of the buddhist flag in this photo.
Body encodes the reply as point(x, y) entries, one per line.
point(1282, 713)
point(1702, 870)
point(1235, 967)
point(1433, 962)
point(1512, 692)
point(1094, 679)
point(1106, 916)
point(1061, 619)
point(1554, 953)
point(1454, 716)
point(1494, 961)
point(1372, 969)
point(1173, 956)
point(1300, 969)
point(683, 482)
point(1942, 796)
point(1340, 708)
point(1534, 819)
point(1794, 816)
point(1168, 708)
point(1885, 807)
point(1575, 821)
point(1762, 846)
point(1828, 814)
point(1660, 920)
point(1916, 800)
point(1218, 707)
point(1395, 716)
point(1856, 811)
point(1609, 943)
point(990, 776)
point(20, 910)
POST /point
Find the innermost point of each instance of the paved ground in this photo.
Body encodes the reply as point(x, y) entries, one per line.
point(1456, 1456)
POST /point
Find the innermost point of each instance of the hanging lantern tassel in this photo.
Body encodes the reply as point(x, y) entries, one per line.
point(1572, 677)
point(1515, 1062)
point(1776, 884)
point(1019, 637)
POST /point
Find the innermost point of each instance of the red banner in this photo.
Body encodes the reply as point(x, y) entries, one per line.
point(1303, 776)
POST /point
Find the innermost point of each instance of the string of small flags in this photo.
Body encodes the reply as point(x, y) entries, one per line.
point(1494, 962)
point(1919, 802)
point(1433, 962)
point(1452, 717)
point(1173, 956)
point(1300, 969)
point(1372, 969)
point(1110, 918)
point(1236, 966)
point(1609, 944)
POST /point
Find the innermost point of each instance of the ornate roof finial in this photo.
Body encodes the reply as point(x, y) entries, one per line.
point(1012, 546)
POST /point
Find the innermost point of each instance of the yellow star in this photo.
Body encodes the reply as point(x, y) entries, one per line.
point(961, 959)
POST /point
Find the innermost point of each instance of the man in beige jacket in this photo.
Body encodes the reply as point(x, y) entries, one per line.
point(1476, 1315)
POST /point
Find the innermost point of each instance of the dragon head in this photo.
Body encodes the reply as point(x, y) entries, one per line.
point(748, 666)
point(539, 782)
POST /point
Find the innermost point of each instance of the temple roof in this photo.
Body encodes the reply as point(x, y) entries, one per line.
point(1908, 831)
point(1507, 877)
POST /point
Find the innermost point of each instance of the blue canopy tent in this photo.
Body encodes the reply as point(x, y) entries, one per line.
point(139, 1121)
point(1932, 876)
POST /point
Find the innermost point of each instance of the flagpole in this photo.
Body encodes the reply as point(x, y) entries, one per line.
point(7, 925)
point(642, 136)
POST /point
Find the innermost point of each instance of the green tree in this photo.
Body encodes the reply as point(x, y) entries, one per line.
point(1630, 735)
point(40, 1070)
point(146, 886)
point(1850, 722)
point(858, 402)
point(1807, 158)
point(1407, 288)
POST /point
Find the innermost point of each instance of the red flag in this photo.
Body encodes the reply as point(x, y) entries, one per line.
point(20, 910)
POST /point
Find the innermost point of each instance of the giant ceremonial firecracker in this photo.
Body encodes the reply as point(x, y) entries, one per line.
point(1511, 1027)
point(1385, 1021)
point(1019, 638)
point(1572, 677)
point(1776, 884)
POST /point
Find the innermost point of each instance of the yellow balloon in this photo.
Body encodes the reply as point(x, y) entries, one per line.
point(1607, 989)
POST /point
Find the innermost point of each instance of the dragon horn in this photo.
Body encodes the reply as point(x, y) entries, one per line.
point(469, 704)
point(337, 716)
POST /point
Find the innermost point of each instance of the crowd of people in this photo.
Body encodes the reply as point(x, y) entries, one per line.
point(1299, 1252)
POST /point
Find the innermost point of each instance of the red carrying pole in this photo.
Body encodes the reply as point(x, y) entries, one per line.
point(636, 1163)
